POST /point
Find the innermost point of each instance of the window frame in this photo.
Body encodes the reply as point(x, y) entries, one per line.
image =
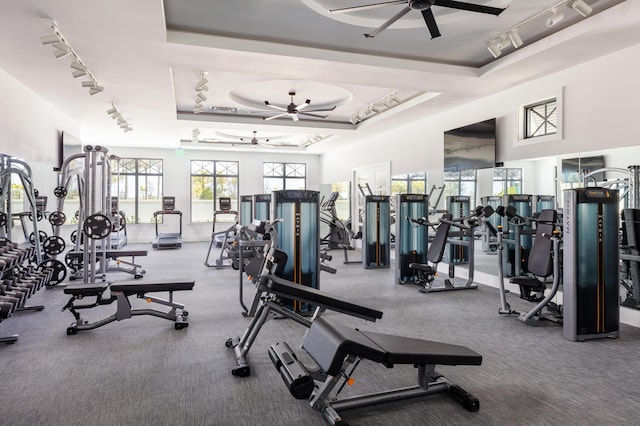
point(118, 170)
point(459, 181)
point(285, 174)
point(214, 175)
point(521, 139)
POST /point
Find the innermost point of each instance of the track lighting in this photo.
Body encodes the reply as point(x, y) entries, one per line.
point(113, 110)
point(115, 114)
point(201, 87)
point(95, 90)
point(551, 16)
point(88, 83)
point(514, 37)
point(203, 82)
point(202, 96)
point(554, 18)
point(582, 8)
point(77, 74)
point(50, 39)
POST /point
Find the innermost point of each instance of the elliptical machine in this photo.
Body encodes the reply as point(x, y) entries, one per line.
point(544, 260)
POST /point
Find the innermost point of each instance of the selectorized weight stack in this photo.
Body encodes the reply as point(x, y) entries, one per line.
point(376, 249)
point(298, 233)
point(412, 241)
point(262, 207)
point(458, 206)
point(590, 264)
point(246, 210)
point(520, 235)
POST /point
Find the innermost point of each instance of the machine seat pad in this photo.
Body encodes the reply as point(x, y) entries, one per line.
point(285, 288)
point(91, 289)
point(528, 282)
point(328, 344)
point(114, 254)
point(137, 287)
point(423, 267)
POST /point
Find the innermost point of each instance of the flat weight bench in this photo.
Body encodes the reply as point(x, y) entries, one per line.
point(271, 288)
point(133, 268)
point(337, 350)
point(120, 293)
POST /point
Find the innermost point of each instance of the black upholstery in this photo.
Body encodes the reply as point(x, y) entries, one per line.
point(94, 289)
point(328, 344)
point(137, 287)
point(540, 262)
point(114, 254)
point(436, 249)
point(288, 289)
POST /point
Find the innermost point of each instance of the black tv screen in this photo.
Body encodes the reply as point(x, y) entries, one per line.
point(470, 147)
point(571, 166)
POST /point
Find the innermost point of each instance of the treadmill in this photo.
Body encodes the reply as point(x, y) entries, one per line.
point(167, 240)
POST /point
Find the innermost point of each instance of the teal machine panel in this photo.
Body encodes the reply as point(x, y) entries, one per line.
point(543, 202)
point(458, 206)
point(411, 241)
point(246, 210)
point(262, 207)
point(519, 240)
point(376, 232)
point(590, 264)
point(299, 237)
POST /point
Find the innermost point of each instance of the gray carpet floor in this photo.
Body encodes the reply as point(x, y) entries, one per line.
point(143, 372)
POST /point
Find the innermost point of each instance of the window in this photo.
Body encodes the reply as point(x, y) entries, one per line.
point(211, 180)
point(461, 182)
point(411, 183)
point(507, 181)
point(138, 184)
point(540, 119)
point(277, 176)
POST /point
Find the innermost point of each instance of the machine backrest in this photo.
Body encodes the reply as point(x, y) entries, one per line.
point(631, 228)
point(436, 249)
point(540, 262)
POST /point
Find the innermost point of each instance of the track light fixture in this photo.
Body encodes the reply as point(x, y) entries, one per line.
point(377, 107)
point(551, 16)
point(582, 8)
point(62, 48)
point(201, 88)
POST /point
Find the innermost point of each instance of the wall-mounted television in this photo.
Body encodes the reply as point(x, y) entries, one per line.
point(470, 147)
point(571, 166)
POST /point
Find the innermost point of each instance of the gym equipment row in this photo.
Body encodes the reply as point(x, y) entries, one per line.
point(340, 235)
point(224, 240)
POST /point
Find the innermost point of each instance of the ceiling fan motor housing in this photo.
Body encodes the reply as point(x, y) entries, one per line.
point(420, 4)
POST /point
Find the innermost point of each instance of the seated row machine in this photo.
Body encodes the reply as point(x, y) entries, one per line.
point(120, 293)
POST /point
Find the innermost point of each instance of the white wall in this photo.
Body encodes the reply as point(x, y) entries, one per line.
point(176, 181)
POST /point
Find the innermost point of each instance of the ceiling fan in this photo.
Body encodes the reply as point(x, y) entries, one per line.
point(255, 141)
point(424, 6)
point(293, 111)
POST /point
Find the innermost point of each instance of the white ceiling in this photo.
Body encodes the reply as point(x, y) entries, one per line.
point(149, 55)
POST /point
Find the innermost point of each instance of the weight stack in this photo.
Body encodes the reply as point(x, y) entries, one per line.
point(590, 264)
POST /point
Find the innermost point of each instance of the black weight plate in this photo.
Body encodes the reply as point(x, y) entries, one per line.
point(53, 245)
point(97, 226)
point(60, 191)
point(39, 216)
point(59, 271)
point(57, 218)
point(32, 238)
point(74, 260)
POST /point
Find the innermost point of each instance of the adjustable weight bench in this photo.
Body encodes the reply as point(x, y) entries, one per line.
point(120, 293)
point(133, 268)
point(337, 350)
point(270, 289)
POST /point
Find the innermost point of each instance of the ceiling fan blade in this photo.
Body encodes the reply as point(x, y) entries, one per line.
point(304, 105)
point(430, 20)
point(365, 7)
point(284, 114)
point(279, 108)
point(313, 115)
point(320, 110)
point(469, 6)
point(391, 20)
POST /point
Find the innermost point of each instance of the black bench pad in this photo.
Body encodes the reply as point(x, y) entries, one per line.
point(528, 282)
point(92, 289)
point(137, 287)
point(285, 288)
point(423, 267)
point(329, 344)
point(114, 254)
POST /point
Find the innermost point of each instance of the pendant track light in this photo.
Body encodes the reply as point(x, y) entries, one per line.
point(582, 8)
point(77, 74)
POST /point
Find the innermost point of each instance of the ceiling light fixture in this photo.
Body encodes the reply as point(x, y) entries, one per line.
point(201, 88)
point(62, 48)
point(582, 8)
point(551, 17)
point(377, 107)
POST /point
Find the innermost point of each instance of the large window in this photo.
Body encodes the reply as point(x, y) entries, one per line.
point(211, 180)
point(277, 176)
point(507, 181)
point(411, 183)
point(461, 182)
point(138, 184)
point(540, 119)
